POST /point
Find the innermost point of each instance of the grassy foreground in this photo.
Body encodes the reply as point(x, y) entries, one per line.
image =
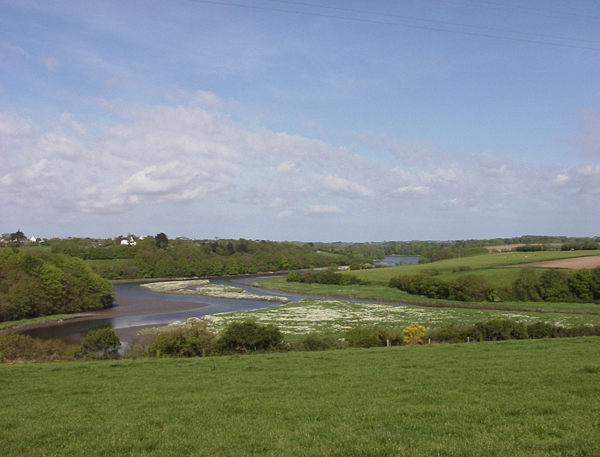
point(518, 398)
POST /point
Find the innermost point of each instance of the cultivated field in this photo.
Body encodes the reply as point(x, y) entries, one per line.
point(487, 264)
point(529, 398)
point(574, 264)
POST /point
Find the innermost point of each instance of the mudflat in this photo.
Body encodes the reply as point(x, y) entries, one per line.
point(125, 306)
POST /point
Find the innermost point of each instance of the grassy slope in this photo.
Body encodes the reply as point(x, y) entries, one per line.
point(518, 398)
point(487, 264)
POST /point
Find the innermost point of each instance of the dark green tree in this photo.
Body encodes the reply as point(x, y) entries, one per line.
point(162, 241)
point(102, 342)
point(249, 336)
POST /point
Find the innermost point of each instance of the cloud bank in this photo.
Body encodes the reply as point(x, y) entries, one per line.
point(196, 158)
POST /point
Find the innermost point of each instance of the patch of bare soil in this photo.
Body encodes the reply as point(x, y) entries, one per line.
point(592, 261)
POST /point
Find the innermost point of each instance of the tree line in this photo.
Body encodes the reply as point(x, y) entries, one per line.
point(37, 283)
point(552, 286)
point(423, 248)
point(159, 257)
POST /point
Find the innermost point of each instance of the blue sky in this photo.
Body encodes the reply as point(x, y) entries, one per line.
point(315, 121)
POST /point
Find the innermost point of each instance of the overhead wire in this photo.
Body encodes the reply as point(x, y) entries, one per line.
point(537, 9)
point(396, 24)
point(579, 18)
point(434, 21)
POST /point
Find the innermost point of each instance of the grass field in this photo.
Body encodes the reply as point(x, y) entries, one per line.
point(519, 398)
point(485, 264)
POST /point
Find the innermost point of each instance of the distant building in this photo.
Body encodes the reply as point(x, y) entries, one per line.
point(130, 242)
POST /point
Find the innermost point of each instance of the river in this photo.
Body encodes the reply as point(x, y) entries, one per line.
point(136, 307)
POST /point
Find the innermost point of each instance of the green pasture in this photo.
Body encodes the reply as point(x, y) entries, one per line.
point(529, 398)
point(486, 264)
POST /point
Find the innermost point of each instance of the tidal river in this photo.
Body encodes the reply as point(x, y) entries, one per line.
point(136, 307)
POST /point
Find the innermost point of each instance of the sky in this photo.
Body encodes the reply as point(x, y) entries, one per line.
point(288, 120)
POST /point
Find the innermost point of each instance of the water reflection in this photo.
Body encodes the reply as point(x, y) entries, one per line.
point(75, 330)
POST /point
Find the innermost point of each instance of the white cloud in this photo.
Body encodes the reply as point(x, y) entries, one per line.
point(288, 166)
point(14, 126)
point(321, 209)
point(164, 155)
point(50, 63)
point(344, 186)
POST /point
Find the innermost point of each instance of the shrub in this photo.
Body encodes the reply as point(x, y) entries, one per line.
point(315, 342)
point(413, 334)
point(101, 342)
point(470, 287)
point(366, 336)
point(451, 333)
point(542, 330)
point(527, 286)
point(582, 330)
point(580, 284)
point(193, 340)
point(16, 347)
point(248, 336)
point(363, 336)
point(554, 286)
point(497, 330)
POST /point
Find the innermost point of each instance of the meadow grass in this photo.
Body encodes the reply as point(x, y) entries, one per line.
point(337, 316)
point(486, 264)
point(519, 398)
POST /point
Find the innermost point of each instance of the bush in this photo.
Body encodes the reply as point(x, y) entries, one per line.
point(527, 286)
point(366, 336)
point(16, 347)
point(554, 286)
point(542, 330)
point(413, 334)
point(580, 284)
point(315, 342)
point(241, 337)
point(102, 342)
point(498, 330)
point(451, 333)
point(193, 340)
point(470, 287)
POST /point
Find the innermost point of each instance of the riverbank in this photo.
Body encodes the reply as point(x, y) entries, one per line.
point(123, 307)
